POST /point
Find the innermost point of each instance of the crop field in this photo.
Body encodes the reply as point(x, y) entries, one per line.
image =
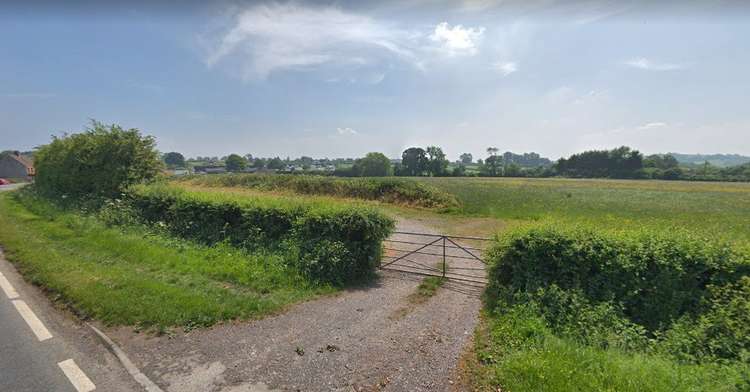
point(721, 209)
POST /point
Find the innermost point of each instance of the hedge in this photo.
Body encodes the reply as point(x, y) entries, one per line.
point(332, 244)
point(656, 277)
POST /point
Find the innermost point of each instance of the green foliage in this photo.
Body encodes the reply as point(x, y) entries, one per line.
point(174, 159)
point(575, 309)
point(413, 162)
point(132, 275)
point(656, 277)
point(374, 164)
point(389, 190)
point(236, 163)
point(99, 162)
point(333, 244)
point(620, 162)
point(437, 165)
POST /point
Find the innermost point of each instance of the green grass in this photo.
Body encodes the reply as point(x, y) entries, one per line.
point(127, 276)
point(426, 289)
point(385, 189)
point(721, 209)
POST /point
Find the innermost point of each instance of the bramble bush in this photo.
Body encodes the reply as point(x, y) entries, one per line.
point(331, 244)
point(95, 164)
point(389, 190)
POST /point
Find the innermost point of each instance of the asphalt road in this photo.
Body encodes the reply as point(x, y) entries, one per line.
point(44, 349)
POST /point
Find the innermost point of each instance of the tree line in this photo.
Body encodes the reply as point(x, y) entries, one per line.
point(618, 163)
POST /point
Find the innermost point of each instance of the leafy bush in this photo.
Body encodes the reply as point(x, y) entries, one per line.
point(389, 190)
point(656, 277)
point(334, 244)
point(99, 162)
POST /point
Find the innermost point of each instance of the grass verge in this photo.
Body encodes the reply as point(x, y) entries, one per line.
point(130, 276)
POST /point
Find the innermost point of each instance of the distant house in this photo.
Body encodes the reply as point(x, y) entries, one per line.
point(209, 169)
point(16, 166)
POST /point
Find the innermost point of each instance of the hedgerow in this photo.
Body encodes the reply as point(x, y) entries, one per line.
point(673, 305)
point(332, 244)
point(389, 190)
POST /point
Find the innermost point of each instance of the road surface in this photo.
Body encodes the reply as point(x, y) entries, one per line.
point(42, 349)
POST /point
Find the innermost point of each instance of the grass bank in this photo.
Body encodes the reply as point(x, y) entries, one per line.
point(128, 275)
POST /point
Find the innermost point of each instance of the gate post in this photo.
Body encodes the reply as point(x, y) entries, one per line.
point(444, 266)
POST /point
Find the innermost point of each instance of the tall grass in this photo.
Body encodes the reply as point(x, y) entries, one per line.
point(385, 189)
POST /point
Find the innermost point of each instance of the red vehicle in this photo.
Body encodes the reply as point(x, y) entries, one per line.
point(4, 181)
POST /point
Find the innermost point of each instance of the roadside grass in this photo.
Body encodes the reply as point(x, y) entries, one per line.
point(134, 276)
point(517, 352)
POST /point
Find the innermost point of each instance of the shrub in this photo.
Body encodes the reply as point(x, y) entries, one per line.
point(389, 190)
point(99, 162)
point(656, 277)
point(330, 244)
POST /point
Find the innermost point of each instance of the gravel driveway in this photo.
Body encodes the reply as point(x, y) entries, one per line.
point(370, 338)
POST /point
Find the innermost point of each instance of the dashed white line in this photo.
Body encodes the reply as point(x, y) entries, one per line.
point(76, 376)
point(7, 287)
point(34, 323)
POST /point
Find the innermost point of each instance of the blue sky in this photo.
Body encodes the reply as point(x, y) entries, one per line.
point(342, 78)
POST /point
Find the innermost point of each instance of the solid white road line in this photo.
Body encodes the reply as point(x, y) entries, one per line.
point(7, 287)
point(76, 376)
point(35, 324)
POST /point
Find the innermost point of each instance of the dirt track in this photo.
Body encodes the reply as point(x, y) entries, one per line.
point(371, 338)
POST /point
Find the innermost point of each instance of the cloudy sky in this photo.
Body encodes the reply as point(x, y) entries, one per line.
point(343, 78)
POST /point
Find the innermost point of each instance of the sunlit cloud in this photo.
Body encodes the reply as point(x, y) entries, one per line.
point(505, 68)
point(457, 40)
point(649, 65)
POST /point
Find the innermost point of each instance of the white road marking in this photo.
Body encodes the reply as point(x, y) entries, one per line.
point(7, 287)
point(76, 376)
point(34, 323)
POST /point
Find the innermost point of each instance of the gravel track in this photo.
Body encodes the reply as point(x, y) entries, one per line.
point(371, 338)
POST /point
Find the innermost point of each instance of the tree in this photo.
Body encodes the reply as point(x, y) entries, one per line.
point(374, 164)
point(258, 163)
point(100, 162)
point(275, 164)
point(492, 165)
point(492, 151)
point(436, 162)
point(466, 158)
point(174, 159)
point(414, 161)
point(236, 163)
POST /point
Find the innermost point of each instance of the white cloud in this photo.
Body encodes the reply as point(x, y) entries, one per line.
point(651, 125)
point(277, 37)
point(505, 68)
point(346, 131)
point(457, 40)
point(649, 65)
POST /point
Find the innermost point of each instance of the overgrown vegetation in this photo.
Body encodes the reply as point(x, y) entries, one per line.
point(97, 163)
point(389, 190)
point(336, 243)
point(127, 274)
point(575, 309)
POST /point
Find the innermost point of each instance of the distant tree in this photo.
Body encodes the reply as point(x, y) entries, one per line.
point(275, 163)
point(466, 158)
point(512, 170)
point(414, 161)
point(174, 159)
point(493, 166)
point(492, 151)
point(258, 163)
point(235, 163)
point(621, 162)
point(374, 164)
point(249, 157)
point(436, 162)
point(459, 171)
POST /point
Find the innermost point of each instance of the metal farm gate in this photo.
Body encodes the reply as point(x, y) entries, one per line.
point(452, 257)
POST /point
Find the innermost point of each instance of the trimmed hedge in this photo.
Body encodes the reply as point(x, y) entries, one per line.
point(389, 190)
point(332, 244)
point(657, 277)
